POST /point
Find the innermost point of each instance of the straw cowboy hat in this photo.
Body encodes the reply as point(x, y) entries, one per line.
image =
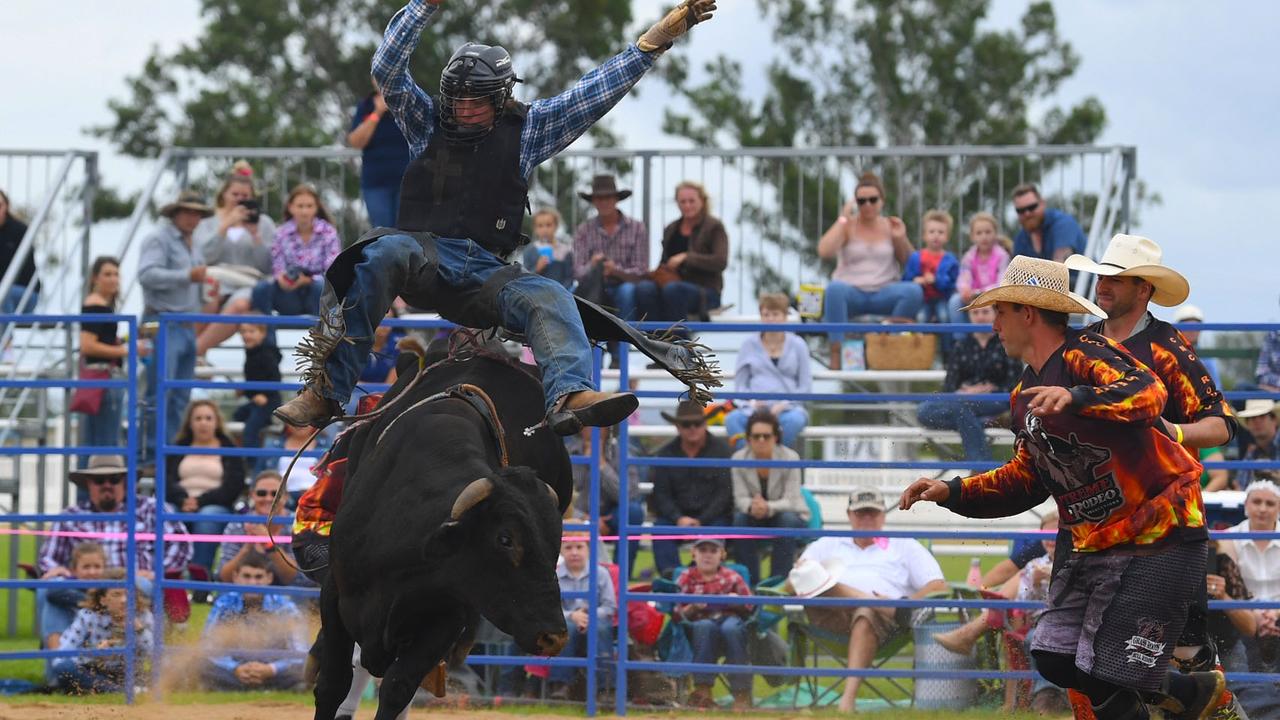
point(811, 579)
point(604, 185)
point(1039, 283)
point(1256, 407)
point(187, 200)
point(99, 466)
point(1137, 256)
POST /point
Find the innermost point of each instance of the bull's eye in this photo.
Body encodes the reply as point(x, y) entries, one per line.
point(504, 539)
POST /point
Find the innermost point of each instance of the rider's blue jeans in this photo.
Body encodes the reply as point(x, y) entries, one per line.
point(535, 306)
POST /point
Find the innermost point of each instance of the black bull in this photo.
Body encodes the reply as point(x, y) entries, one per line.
point(433, 532)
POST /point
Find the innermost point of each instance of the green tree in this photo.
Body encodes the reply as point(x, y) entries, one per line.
point(877, 73)
point(287, 73)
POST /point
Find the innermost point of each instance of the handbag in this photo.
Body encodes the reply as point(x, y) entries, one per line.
point(88, 400)
point(663, 276)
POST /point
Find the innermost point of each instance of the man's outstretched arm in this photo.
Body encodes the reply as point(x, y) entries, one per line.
point(409, 104)
point(554, 123)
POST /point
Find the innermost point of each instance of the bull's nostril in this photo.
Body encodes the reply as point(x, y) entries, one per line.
point(552, 643)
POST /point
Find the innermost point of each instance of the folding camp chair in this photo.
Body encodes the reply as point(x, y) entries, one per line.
point(668, 639)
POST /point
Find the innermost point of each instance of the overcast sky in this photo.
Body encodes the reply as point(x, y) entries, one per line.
point(1187, 83)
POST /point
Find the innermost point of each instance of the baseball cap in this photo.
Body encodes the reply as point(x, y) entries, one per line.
point(1188, 313)
point(718, 542)
point(865, 497)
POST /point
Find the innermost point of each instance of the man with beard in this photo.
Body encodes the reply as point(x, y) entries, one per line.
point(1131, 276)
point(102, 483)
point(1123, 586)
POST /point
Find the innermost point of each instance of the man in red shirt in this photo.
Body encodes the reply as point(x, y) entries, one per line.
point(1087, 419)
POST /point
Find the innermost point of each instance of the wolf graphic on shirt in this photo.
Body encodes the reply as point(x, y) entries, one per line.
point(1070, 469)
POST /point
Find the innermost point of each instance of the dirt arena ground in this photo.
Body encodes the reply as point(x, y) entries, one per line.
point(248, 711)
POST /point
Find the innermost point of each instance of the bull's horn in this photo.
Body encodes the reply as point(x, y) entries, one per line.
point(552, 492)
point(471, 495)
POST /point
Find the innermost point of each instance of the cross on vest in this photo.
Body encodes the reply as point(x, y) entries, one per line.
point(470, 190)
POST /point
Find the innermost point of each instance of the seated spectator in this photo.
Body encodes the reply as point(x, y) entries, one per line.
point(237, 237)
point(12, 230)
point(715, 630)
point(575, 576)
point(862, 568)
point(231, 554)
point(102, 487)
point(981, 266)
point(610, 250)
point(870, 252)
point(205, 484)
point(56, 607)
point(689, 496)
point(977, 366)
point(580, 444)
point(261, 364)
point(1267, 372)
point(1258, 562)
point(767, 497)
point(933, 268)
point(384, 156)
point(100, 625)
point(1021, 553)
point(1259, 418)
point(305, 244)
point(772, 362)
point(1186, 315)
point(1047, 233)
point(550, 253)
point(1031, 583)
point(690, 274)
point(243, 620)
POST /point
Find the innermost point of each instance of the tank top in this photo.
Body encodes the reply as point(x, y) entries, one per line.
point(867, 266)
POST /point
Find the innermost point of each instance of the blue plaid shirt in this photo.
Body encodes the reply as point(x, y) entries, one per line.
point(1268, 371)
point(276, 625)
point(551, 125)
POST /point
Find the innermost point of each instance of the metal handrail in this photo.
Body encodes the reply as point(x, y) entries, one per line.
point(27, 246)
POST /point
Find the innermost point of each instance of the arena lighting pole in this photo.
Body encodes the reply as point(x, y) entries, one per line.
point(623, 553)
point(131, 511)
point(157, 562)
point(593, 550)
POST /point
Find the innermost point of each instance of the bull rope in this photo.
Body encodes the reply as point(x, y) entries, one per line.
point(458, 341)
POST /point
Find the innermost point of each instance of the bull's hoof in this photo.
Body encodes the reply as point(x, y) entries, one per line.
point(434, 682)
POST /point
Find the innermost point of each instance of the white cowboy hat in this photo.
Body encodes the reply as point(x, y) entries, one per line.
point(1137, 256)
point(810, 579)
point(1257, 407)
point(1039, 283)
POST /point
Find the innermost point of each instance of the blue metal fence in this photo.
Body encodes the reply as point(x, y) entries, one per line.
point(593, 664)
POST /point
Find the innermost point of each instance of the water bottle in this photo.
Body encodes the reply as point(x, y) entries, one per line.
point(975, 574)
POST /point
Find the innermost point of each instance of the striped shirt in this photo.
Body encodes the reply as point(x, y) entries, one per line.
point(551, 124)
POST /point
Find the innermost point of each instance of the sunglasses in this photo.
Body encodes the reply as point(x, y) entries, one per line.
point(107, 480)
point(690, 424)
point(266, 493)
point(760, 436)
point(867, 200)
point(1027, 208)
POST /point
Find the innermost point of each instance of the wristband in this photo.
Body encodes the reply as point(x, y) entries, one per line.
point(1178, 435)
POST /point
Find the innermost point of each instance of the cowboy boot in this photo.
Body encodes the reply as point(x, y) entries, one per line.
point(590, 408)
point(962, 639)
point(310, 406)
point(1211, 696)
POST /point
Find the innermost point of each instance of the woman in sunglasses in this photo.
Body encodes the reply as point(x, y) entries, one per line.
point(870, 251)
point(261, 495)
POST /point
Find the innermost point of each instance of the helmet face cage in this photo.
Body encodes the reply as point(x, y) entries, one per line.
point(475, 71)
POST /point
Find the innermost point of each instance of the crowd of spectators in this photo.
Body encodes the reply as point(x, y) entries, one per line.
point(234, 259)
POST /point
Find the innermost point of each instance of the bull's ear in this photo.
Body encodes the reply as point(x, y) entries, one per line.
point(471, 495)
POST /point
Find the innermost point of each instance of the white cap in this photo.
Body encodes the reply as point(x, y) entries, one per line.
point(1187, 313)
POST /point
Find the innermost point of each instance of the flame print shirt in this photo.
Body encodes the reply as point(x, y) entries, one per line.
point(1119, 480)
point(1193, 395)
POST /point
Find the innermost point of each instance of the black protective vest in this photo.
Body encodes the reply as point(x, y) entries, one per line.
point(469, 190)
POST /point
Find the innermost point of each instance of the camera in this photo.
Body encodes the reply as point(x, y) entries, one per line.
point(255, 210)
